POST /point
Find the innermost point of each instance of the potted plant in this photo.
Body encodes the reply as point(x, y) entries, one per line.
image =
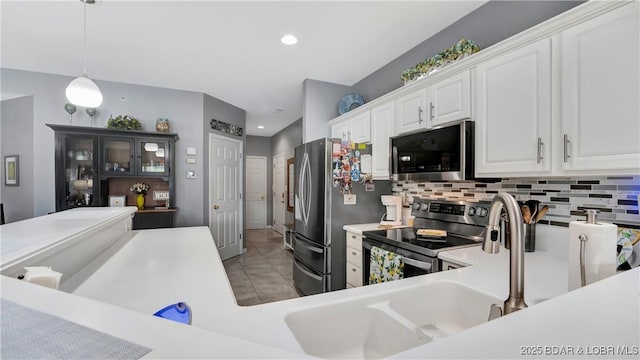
point(141, 190)
point(126, 122)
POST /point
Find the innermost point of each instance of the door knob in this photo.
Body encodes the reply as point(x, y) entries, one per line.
point(216, 207)
point(261, 197)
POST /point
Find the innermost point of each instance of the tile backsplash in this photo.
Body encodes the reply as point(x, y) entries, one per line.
point(615, 196)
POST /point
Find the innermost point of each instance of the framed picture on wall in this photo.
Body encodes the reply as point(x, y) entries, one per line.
point(11, 170)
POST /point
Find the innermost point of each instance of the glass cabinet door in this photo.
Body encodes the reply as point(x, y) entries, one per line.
point(81, 181)
point(153, 155)
point(118, 156)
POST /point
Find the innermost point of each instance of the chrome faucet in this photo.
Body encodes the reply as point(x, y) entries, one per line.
point(491, 245)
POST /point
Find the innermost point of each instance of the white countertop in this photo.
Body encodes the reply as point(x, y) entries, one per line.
point(22, 238)
point(607, 313)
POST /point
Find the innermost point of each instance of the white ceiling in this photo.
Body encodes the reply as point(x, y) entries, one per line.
point(228, 49)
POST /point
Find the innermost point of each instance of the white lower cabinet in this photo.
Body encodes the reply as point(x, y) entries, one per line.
point(354, 259)
point(513, 118)
point(382, 129)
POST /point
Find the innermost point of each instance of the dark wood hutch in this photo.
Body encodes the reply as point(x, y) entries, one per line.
point(98, 166)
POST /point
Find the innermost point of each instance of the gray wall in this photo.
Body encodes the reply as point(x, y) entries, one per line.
point(217, 109)
point(319, 105)
point(184, 110)
point(16, 122)
point(285, 142)
point(261, 146)
point(487, 25)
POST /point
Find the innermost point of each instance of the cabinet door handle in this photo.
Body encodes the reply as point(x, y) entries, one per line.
point(419, 115)
point(353, 253)
point(566, 148)
point(540, 144)
point(354, 269)
point(431, 111)
point(353, 236)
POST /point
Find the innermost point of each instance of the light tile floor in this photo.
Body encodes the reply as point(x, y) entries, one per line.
point(264, 273)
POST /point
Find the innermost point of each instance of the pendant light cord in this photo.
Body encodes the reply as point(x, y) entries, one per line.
point(84, 39)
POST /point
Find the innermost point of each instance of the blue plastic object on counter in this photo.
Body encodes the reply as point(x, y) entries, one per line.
point(180, 312)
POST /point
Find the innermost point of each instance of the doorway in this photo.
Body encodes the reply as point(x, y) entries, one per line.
point(256, 194)
point(279, 199)
point(225, 194)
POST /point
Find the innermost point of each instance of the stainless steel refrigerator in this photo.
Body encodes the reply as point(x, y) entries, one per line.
point(320, 213)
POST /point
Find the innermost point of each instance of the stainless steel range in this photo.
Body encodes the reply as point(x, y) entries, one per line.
point(464, 223)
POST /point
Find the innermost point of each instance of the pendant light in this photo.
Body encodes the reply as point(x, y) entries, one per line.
point(82, 91)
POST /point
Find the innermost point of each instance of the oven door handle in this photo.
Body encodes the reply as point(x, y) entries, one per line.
point(416, 263)
point(409, 261)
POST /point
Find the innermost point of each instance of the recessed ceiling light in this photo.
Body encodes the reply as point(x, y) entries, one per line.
point(260, 127)
point(289, 39)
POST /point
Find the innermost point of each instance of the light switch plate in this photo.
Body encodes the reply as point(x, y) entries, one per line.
point(191, 150)
point(191, 174)
point(160, 194)
point(191, 160)
point(349, 199)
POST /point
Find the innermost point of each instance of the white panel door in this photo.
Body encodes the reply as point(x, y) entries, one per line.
point(279, 199)
point(225, 195)
point(410, 112)
point(382, 128)
point(601, 92)
point(256, 193)
point(513, 122)
point(450, 99)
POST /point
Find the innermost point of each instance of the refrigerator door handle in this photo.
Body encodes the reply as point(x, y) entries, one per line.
point(306, 190)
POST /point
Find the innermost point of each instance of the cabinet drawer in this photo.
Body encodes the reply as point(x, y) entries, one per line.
point(354, 240)
point(354, 257)
point(354, 275)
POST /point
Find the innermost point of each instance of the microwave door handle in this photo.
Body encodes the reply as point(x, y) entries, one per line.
point(416, 263)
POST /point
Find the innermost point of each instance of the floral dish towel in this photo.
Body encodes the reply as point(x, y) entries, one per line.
point(385, 266)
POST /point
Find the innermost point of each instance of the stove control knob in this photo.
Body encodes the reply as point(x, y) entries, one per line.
point(416, 206)
point(482, 212)
point(424, 207)
point(472, 211)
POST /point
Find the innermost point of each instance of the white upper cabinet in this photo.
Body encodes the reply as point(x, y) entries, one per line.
point(382, 128)
point(600, 93)
point(513, 114)
point(450, 99)
point(410, 112)
point(355, 129)
point(340, 130)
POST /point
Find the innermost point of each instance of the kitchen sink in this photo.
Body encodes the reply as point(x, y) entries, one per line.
point(383, 325)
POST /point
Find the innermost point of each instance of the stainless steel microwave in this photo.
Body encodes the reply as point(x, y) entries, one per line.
point(444, 153)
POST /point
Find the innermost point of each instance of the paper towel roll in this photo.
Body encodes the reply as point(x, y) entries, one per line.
point(600, 252)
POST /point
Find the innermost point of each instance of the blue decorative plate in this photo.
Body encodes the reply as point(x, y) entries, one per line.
point(349, 102)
